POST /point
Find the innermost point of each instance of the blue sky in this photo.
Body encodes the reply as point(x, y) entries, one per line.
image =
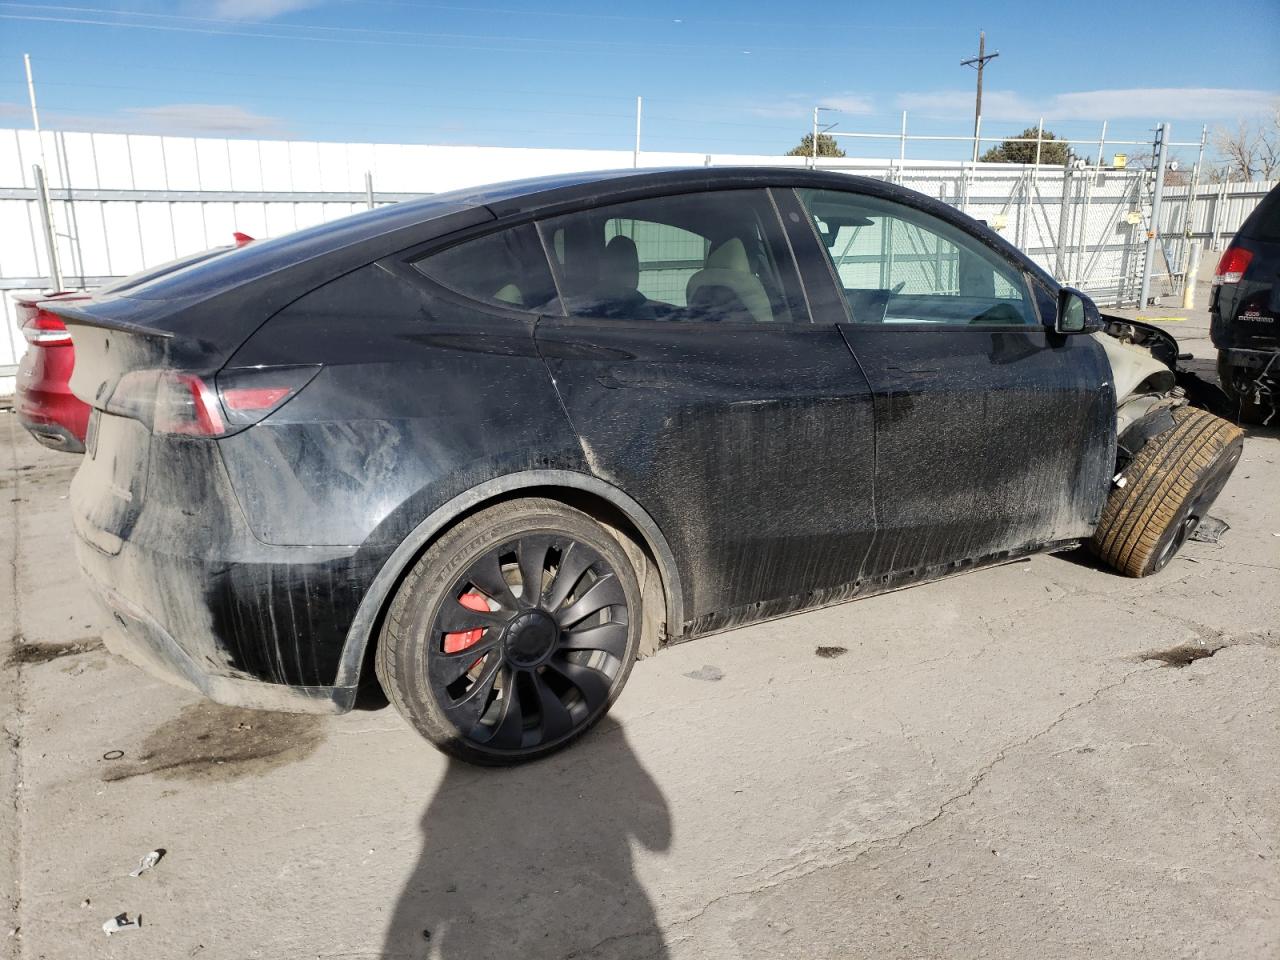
point(716, 76)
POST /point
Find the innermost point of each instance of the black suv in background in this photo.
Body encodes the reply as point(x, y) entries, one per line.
point(1245, 309)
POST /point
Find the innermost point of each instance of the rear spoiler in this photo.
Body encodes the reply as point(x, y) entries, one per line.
point(85, 316)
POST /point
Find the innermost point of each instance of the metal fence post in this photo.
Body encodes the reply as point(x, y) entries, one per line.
point(1153, 234)
point(1039, 134)
point(1064, 225)
point(368, 189)
point(635, 157)
point(1189, 278)
point(1216, 223)
point(50, 236)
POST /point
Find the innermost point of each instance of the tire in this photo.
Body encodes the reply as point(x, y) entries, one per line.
point(546, 668)
point(1243, 409)
point(1169, 487)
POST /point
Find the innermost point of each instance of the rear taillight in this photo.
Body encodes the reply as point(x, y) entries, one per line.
point(1231, 268)
point(43, 329)
point(185, 404)
point(250, 393)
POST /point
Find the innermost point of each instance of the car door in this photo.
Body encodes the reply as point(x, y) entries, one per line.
point(688, 365)
point(994, 434)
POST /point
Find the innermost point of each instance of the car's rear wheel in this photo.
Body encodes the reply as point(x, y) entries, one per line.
point(513, 634)
point(1167, 490)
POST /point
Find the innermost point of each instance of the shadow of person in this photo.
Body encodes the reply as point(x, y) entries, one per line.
point(536, 861)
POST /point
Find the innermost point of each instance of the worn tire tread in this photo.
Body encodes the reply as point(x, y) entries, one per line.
point(1159, 482)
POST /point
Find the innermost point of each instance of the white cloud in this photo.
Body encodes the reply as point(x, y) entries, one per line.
point(173, 119)
point(198, 118)
point(795, 105)
point(1137, 103)
point(259, 9)
point(1165, 103)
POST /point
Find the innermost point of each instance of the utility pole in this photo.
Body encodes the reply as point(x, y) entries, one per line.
point(979, 63)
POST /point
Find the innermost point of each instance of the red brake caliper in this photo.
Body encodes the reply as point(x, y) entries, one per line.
point(457, 642)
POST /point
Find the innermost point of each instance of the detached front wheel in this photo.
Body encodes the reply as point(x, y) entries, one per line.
point(1167, 490)
point(514, 633)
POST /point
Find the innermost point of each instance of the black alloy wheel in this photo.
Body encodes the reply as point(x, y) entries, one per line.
point(526, 639)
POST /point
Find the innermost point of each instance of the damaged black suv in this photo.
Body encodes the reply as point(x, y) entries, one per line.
point(1245, 314)
point(489, 447)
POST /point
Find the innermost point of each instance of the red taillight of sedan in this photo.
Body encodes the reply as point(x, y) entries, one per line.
point(44, 329)
point(46, 406)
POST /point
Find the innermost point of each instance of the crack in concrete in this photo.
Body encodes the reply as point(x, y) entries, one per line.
point(865, 847)
point(11, 685)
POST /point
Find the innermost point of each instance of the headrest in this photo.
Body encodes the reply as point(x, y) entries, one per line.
point(730, 255)
point(620, 265)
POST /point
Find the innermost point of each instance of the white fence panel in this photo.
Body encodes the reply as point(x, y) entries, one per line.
point(125, 201)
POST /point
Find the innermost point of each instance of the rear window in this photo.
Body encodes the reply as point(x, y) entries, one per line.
point(1264, 223)
point(507, 269)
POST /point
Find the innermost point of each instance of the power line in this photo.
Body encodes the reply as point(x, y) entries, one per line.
point(92, 16)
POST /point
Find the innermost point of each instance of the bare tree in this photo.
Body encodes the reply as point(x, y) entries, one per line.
point(1250, 151)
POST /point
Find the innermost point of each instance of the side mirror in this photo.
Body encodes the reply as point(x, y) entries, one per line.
point(1076, 313)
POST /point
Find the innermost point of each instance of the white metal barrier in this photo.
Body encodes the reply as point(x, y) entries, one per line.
point(120, 202)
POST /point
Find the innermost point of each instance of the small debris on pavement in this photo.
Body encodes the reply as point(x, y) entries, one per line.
point(113, 755)
point(121, 922)
point(830, 653)
point(708, 673)
point(147, 862)
point(1210, 530)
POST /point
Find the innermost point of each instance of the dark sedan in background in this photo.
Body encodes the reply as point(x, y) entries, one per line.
point(491, 446)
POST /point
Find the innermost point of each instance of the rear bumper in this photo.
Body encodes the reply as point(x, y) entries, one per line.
point(234, 632)
point(46, 406)
point(1255, 360)
point(196, 598)
point(53, 435)
point(135, 635)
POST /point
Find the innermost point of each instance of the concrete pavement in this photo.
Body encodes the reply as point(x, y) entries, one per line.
point(1041, 759)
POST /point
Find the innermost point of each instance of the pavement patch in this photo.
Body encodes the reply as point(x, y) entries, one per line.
point(1183, 655)
point(207, 741)
point(25, 654)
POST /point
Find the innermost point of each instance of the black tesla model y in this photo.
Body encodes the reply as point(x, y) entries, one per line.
point(489, 447)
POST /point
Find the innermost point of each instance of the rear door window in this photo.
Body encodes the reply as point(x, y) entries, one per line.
point(507, 269)
point(716, 256)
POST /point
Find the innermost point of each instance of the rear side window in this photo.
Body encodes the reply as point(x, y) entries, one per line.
point(507, 269)
point(1264, 223)
point(717, 256)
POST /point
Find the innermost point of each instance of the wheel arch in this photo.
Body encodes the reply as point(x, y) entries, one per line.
point(605, 502)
